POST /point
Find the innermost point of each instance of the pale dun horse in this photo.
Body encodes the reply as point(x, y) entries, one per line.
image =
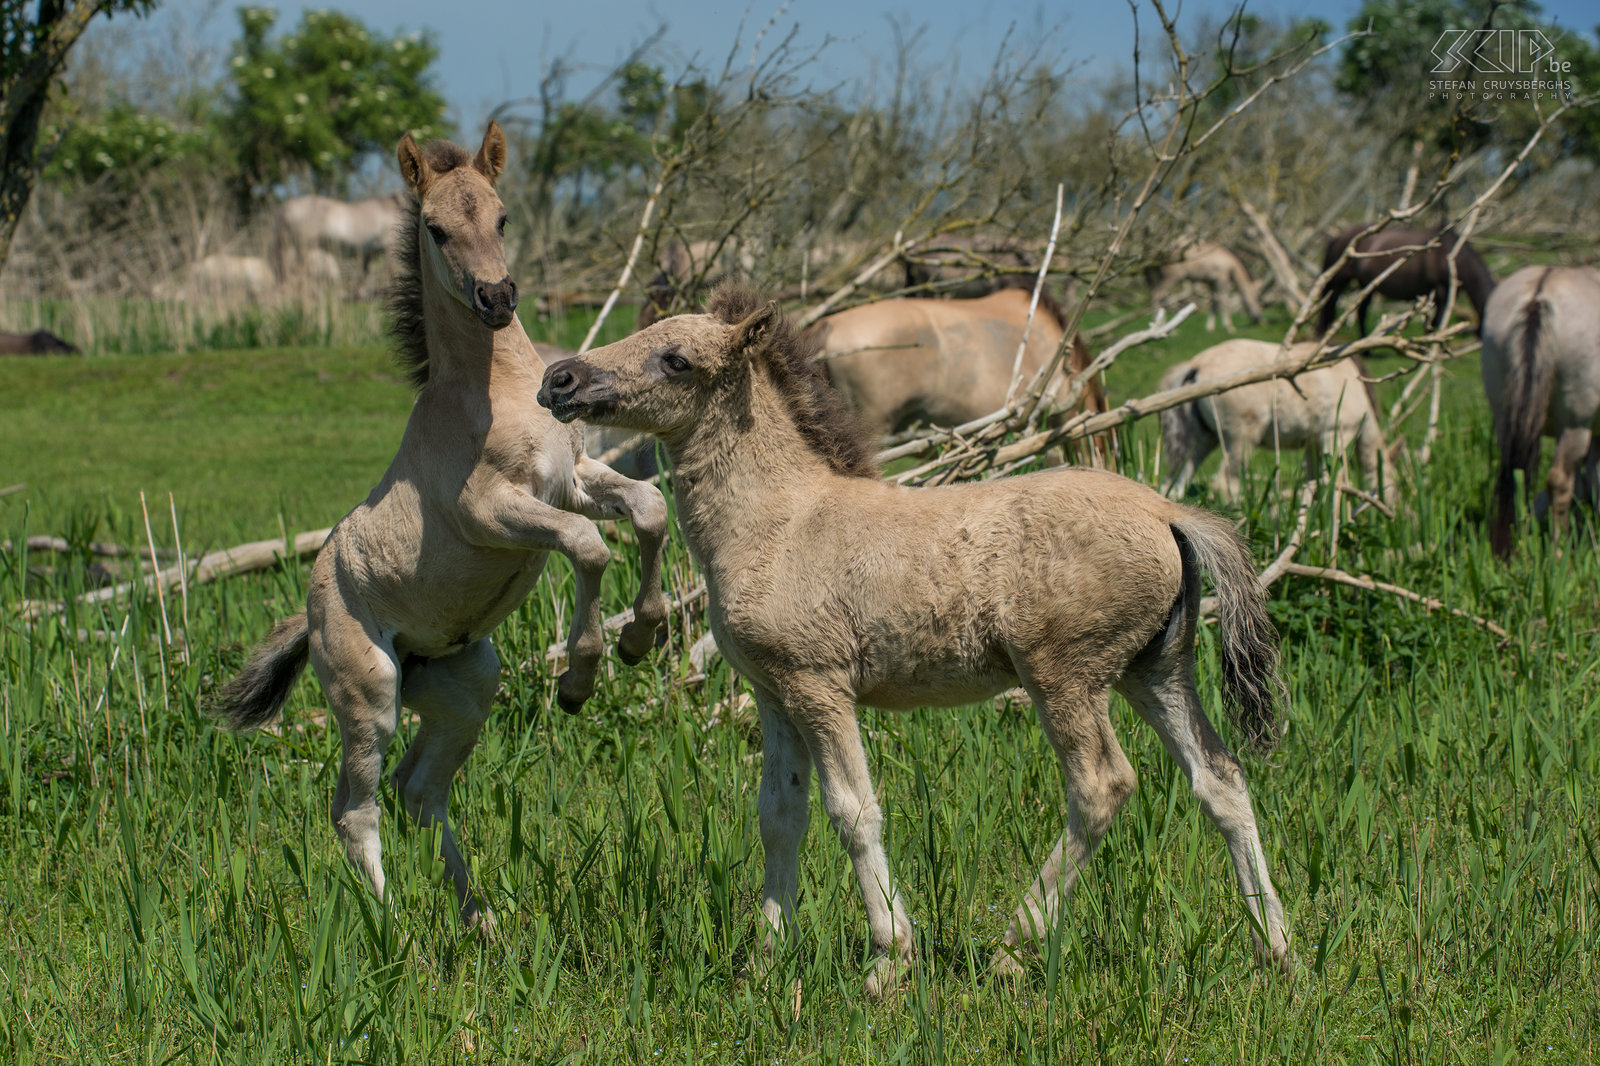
point(1323, 411)
point(486, 484)
point(1218, 270)
point(830, 588)
point(1541, 372)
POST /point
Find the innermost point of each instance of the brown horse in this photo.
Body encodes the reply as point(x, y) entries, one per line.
point(1420, 273)
point(1541, 372)
point(943, 362)
point(410, 584)
point(830, 588)
point(39, 342)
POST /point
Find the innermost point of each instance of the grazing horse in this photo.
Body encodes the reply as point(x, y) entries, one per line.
point(247, 278)
point(1420, 273)
point(830, 588)
point(410, 584)
point(39, 342)
point(1541, 371)
point(943, 362)
point(1218, 270)
point(362, 228)
point(1322, 411)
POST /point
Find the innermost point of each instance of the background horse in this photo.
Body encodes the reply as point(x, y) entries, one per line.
point(362, 228)
point(410, 584)
point(1323, 411)
point(1219, 270)
point(1421, 273)
point(830, 588)
point(1541, 372)
point(39, 342)
point(943, 362)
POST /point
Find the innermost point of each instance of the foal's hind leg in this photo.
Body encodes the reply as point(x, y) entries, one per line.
point(452, 696)
point(1099, 781)
point(1163, 693)
point(362, 680)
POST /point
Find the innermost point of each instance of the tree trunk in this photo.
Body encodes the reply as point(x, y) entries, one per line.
point(22, 98)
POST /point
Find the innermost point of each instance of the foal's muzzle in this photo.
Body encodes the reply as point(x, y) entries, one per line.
point(495, 304)
point(562, 383)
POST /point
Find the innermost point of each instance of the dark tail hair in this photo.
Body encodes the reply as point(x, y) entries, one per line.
point(1249, 643)
point(253, 698)
point(1522, 417)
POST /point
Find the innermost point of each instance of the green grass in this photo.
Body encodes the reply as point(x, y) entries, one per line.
point(173, 893)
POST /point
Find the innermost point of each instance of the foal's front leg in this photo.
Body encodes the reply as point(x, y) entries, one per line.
point(610, 495)
point(517, 519)
point(826, 721)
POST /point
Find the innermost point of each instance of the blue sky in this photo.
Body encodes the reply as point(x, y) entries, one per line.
point(495, 50)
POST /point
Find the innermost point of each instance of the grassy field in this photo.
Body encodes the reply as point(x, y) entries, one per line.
point(172, 893)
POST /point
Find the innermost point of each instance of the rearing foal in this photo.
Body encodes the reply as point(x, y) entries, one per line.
point(829, 588)
point(410, 584)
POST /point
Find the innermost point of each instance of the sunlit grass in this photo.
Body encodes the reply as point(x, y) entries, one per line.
point(173, 893)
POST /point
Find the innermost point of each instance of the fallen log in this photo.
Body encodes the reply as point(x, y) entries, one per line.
point(240, 559)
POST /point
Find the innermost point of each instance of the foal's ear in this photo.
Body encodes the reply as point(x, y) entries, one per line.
point(754, 330)
point(491, 157)
point(414, 167)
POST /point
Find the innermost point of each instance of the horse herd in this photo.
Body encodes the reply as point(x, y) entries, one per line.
point(828, 588)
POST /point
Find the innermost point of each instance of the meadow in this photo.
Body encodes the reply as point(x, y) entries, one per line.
point(173, 893)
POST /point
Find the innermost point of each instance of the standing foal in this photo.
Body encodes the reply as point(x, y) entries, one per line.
point(829, 588)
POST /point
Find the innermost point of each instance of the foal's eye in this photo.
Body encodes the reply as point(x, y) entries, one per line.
point(501, 226)
point(674, 361)
point(437, 233)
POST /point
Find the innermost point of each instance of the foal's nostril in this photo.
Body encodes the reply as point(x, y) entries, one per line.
point(512, 286)
point(562, 381)
point(480, 297)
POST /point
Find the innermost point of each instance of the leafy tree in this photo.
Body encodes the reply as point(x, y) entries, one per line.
point(1387, 75)
point(34, 42)
point(312, 103)
point(123, 141)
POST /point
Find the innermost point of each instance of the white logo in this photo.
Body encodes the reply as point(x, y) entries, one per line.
point(1496, 52)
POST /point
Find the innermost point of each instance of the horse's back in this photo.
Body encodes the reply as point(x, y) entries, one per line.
point(1546, 313)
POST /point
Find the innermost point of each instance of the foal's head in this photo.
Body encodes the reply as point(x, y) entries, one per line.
point(461, 229)
point(669, 377)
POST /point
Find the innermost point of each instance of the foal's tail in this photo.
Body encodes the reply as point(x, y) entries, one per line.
point(1249, 643)
point(253, 698)
point(1530, 375)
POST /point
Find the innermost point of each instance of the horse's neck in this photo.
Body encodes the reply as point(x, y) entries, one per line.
point(464, 353)
point(739, 481)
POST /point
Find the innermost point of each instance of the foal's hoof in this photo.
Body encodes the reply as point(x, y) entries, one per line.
point(1006, 965)
point(571, 694)
point(630, 639)
point(886, 976)
point(482, 924)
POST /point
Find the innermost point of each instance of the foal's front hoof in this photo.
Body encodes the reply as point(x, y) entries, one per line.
point(1006, 965)
point(572, 693)
point(886, 977)
point(634, 638)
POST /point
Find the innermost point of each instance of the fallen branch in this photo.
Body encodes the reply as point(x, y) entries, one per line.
point(102, 549)
point(11, 490)
point(1360, 581)
point(241, 559)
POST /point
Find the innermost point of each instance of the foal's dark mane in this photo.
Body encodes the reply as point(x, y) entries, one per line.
point(820, 413)
point(404, 301)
